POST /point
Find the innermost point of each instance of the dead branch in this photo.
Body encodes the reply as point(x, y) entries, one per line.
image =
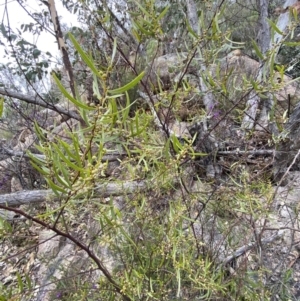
point(266, 152)
point(109, 157)
point(101, 190)
point(78, 243)
point(40, 102)
point(242, 250)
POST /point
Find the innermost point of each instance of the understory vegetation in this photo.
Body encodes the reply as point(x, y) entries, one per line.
point(154, 163)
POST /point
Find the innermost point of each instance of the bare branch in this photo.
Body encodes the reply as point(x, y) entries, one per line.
point(78, 243)
point(242, 250)
point(36, 100)
point(110, 157)
point(267, 152)
point(38, 196)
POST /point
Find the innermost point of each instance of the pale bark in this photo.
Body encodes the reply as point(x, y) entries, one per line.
point(208, 98)
point(283, 21)
point(101, 190)
point(264, 39)
point(264, 35)
point(109, 157)
point(192, 14)
point(62, 45)
point(265, 44)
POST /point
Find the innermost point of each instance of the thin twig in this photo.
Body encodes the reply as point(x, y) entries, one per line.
point(249, 246)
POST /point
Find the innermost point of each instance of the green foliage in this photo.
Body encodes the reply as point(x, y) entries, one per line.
point(240, 22)
point(156, 253)
point(31, 62)
point(153, 251)
point(147, 21)
point(165, 241)
point(1, 106)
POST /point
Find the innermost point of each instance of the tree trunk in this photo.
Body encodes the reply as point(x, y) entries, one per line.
point(263, 40)
point(62, 45)
point(265, 44)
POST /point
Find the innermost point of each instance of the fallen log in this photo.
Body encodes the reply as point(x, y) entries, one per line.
point(101, 190)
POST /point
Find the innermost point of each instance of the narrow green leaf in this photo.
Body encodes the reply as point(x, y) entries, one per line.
point(160, 89)
point(66, 178)
point(239, 44)
point(176, 144)
point(254, 84)
point(190, 30)
point(166, 150)
point(20, 282)
point(39, 131)
point(113, 110)
point(5, 225)
point(163, 13)
point(28, 281)
point(1, 106)
point(67, 161)
point(291, 44)
point(63, 181)
point(55, 188)
point(72, 154)
point(84, 56)
point(142, 29)
point(127, 237)
point(130, 85)
point(114, 51)
point(68, 95)
point(126, 110)
point(216, 28)
point(179, 282)
point(291, 81)
point(107, 219)
point(272, 62)
point(257, 51)
point(115, 96)
point(199, 154)
point(96, 87)
point(42, 171)
point(39, 148)
point(38, 160)
point(295, 14)
point(142, 8)
point(136, 35)
point(274, 27)
point(59, 169)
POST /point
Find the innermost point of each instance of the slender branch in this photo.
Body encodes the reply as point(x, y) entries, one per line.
point(127, 33)
point(242, 250)
point(36, 100)
point(267, 152)
point(285, 174)
point(36, 19)
point(82, 246)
